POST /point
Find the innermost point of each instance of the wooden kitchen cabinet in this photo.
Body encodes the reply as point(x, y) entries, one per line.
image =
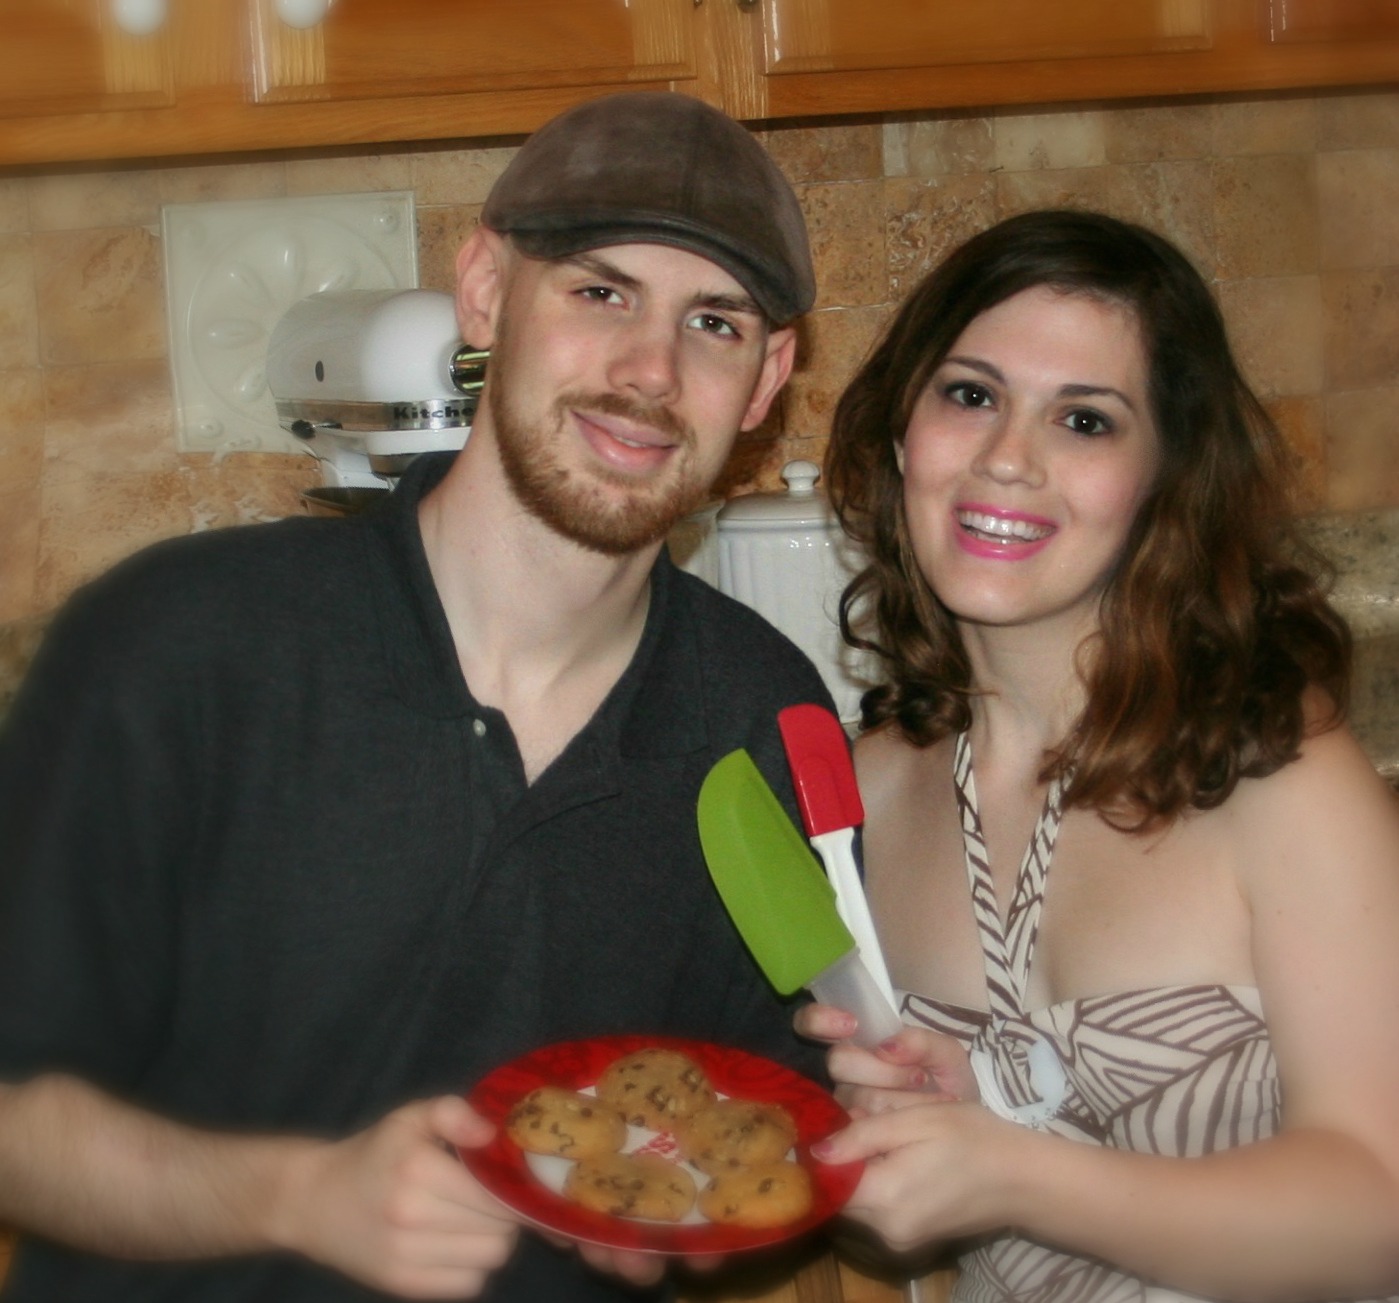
point(69, 56)
point(230, 75)
point(795, 58)
point(396, 49)
point(1291, 21)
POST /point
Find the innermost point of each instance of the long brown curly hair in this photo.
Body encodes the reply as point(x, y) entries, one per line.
point(1214, 621)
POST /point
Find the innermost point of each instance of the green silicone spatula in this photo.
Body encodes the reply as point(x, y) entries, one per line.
point(779, 898)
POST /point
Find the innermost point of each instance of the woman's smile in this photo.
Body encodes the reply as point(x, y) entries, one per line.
point(1010, 535)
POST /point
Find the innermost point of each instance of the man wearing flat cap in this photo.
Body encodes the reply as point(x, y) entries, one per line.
point(311, 827)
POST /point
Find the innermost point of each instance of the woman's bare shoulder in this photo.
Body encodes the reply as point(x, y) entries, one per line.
point(887, 763)
point(1330, 765)
point(1328, 806)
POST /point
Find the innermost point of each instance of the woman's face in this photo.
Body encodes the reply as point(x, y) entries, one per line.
point(1027, 457)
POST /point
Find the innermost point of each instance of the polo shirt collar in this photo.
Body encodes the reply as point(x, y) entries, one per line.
point(656, 708)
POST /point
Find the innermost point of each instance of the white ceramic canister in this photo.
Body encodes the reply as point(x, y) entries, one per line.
point(693, 542)
point(785, 555)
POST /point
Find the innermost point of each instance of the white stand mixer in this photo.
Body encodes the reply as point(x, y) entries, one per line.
point(368, 379)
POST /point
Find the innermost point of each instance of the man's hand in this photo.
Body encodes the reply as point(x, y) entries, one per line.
point(393, 1207)
point(632, 1266)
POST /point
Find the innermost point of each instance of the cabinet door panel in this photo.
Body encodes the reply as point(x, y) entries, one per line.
point(68, 56)
point(393, 48)
point(831, 35)
point(1333, 20)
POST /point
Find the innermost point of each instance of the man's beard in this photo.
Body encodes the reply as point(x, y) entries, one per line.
point(614, 525)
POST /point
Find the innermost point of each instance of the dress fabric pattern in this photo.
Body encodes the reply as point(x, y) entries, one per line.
point(1178, 1070)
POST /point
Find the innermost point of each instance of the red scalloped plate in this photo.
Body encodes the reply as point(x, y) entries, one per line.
point(529, 1183)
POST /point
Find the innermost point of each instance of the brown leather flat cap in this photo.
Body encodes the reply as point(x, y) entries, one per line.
point(654, 167)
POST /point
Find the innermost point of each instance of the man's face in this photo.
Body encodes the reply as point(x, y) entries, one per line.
point(619, 379)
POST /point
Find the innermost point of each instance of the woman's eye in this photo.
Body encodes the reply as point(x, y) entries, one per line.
point(967, 393)
point(1087, 421)
point(600, 294)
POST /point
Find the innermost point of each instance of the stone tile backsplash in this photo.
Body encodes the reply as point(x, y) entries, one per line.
point(1364, 547)
point(1289, 204)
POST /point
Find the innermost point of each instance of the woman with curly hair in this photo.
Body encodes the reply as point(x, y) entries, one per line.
point(1119, 842)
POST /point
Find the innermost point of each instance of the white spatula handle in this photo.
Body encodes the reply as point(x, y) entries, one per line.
point(837, 852)
point(848, 984)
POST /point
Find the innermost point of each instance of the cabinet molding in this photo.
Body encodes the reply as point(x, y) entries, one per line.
point(229, 76)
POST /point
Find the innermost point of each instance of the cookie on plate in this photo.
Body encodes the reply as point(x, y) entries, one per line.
point(773, 1194)
point(736, 1133)
point(568, 1123)
point(655, 1087)
point(631, 1185)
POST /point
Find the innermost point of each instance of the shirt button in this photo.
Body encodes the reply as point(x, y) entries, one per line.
point(478, 726)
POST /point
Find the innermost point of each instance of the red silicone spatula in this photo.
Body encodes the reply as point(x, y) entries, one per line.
point(818, 755)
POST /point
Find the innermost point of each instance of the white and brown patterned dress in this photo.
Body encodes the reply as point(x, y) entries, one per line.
point(1177, 1070)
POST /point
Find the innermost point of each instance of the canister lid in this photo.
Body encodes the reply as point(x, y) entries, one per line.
point(800, 503)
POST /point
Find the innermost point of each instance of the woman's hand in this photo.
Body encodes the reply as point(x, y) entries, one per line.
point(934, 1169)
point(917, 1128)
point(914, 1067)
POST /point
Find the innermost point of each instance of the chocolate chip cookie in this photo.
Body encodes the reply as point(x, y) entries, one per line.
point(736, 1133)
point(655, 1088)
point(772, 1194)
point(631, 1185)
point(568, 1123)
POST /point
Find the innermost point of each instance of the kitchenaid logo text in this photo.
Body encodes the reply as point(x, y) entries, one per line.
point(433, 411)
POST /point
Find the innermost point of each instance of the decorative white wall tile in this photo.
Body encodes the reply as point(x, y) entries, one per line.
point(231, 271)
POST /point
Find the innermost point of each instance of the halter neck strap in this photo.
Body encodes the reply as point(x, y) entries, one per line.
point(1008, 951)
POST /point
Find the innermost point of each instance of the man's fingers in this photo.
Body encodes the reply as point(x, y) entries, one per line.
point(635, 1268)
point(451, 1119)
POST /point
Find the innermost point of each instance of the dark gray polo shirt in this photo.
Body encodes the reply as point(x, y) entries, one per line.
point(266, 864)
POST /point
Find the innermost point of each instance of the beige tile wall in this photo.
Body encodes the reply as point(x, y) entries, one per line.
point(1289, 205)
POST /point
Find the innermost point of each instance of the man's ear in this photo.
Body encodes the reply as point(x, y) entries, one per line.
point(481, 268)
point(778, 360)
